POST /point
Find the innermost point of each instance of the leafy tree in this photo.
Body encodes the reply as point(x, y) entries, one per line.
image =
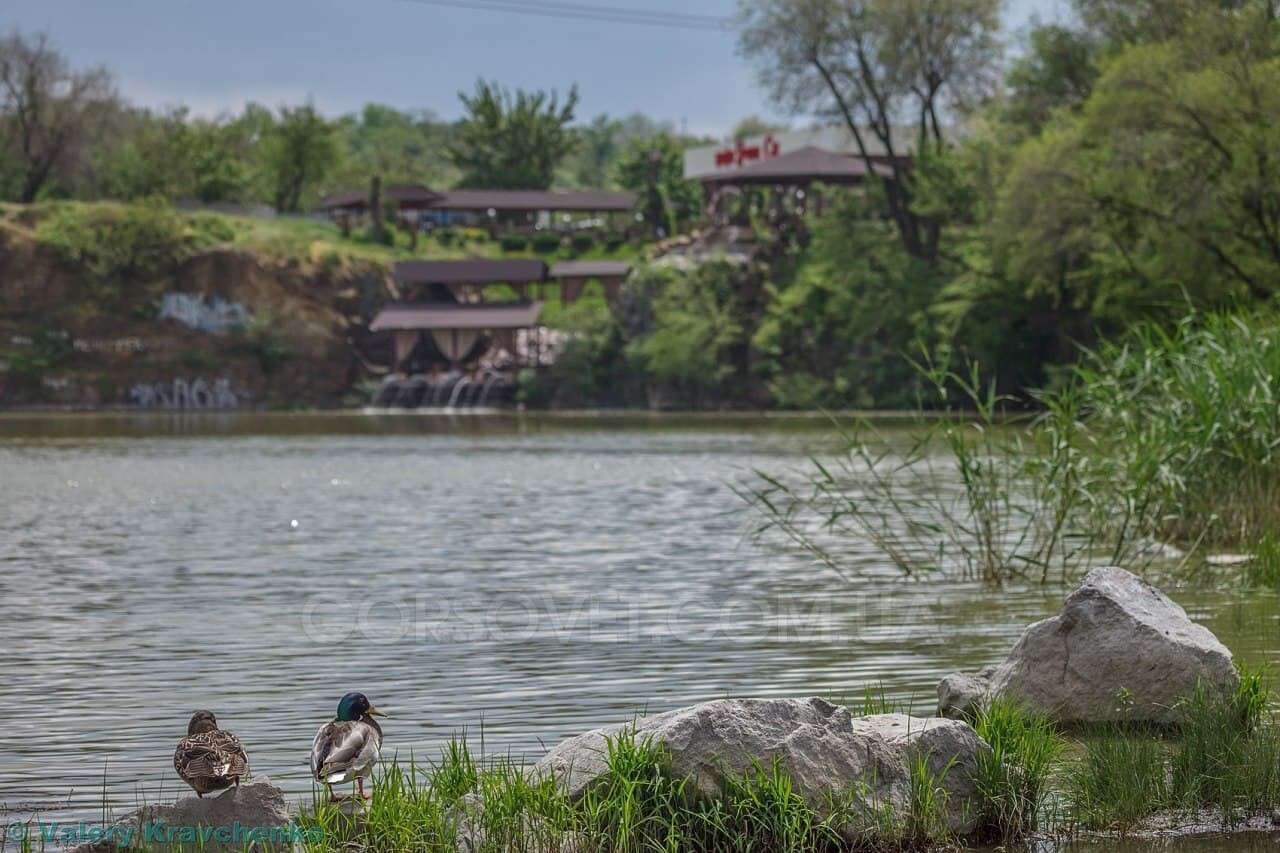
point(839, 328)
point(596, 152)
point(871, 63)
point(402, 147)
point(512, 141)
point(301, 149)
point(654, 169)
point(754, 126)
point(49, 114)
point(1057, 72)
point(697, 326)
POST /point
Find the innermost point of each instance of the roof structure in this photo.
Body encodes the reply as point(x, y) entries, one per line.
point(405, 195)
point(425, 198)
point(587, 201)
point(802, 166)
point(449, 315)
point(590, 269)
point(476, 271)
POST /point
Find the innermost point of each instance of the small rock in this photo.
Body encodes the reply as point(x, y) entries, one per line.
point(254, 806)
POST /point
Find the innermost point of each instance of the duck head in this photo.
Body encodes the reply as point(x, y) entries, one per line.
point(201, 722)
point(356, 706)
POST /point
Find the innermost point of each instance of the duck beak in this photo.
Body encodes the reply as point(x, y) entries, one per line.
point(374, 712)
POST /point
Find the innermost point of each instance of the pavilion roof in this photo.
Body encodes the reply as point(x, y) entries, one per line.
point(406, 195)
point(804, 165)
point(472, 271)
point(592, 201)
point(453, 315)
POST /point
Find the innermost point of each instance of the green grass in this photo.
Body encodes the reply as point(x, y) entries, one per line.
point(1180, 438)
point(1013, 779)
point(637, 805)
point(1120, 779)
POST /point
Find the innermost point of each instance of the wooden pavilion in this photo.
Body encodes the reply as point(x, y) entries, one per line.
point(445, 302)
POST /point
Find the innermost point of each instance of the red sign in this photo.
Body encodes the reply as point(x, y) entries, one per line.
point(741, 154)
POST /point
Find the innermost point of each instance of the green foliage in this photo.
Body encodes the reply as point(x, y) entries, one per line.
point(512, 141)
point(301, 150)
point(545, 242)
point(262, 340)
point(838, 330)
point(1012, 779)
point(696, 330)
point(1118, 781)
point(654, 169)
point(514, 242)
point(1182, 430)
point(582, 243)
point(1056, 73)
point(1229, 752)
point(592, 365)
point(125, 246)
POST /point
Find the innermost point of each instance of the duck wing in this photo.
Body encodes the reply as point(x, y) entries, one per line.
point(341, 746)
point(210, 755)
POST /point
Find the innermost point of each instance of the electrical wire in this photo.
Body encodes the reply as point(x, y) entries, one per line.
point(578, 11)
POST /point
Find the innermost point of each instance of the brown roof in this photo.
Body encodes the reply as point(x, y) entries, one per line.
point(452, 315)
point(800, 166)
point(477, 271)
point(595, 201)
point(406, 195)
point(590, 269)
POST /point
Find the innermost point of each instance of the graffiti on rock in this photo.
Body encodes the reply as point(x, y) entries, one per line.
point(214, 314)
point(181, 394)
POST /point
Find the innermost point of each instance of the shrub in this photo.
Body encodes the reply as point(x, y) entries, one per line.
point(583, 242)
point(120, 244)
point(514, 243)
point(546, 242)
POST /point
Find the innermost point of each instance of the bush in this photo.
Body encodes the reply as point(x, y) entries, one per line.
point(120, 245)
point(583, 243)
point(514, 243)
point(614, 241)
point(546, 242)
point(695, 329)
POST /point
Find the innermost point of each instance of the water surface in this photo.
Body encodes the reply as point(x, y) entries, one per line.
point(523, 578)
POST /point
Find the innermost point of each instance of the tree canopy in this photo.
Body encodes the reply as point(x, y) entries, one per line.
point(512, 140)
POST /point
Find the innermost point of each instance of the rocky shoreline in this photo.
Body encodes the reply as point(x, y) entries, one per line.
point(1119, 652)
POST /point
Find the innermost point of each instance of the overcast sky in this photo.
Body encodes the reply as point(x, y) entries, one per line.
point(214, 55)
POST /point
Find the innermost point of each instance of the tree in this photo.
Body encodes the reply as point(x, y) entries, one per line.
point(654, 169)
point(301, 149)
point(1057, 72)
point(49, 114)
point(889, 69)
point(754, 126)
point(512, 141)
point(597, 151)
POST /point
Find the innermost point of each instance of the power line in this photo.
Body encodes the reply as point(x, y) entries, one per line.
point(577, 11)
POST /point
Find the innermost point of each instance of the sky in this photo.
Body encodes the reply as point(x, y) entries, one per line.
point(216, 55)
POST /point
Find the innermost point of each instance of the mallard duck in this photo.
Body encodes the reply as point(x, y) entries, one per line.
point(348, 747)
point(209, 759)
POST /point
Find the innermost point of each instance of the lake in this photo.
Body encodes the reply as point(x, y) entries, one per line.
point(519, 578)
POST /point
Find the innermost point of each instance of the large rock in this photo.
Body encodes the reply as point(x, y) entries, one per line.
point(240, 818)
point(825, 751)
point(1120, 651)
